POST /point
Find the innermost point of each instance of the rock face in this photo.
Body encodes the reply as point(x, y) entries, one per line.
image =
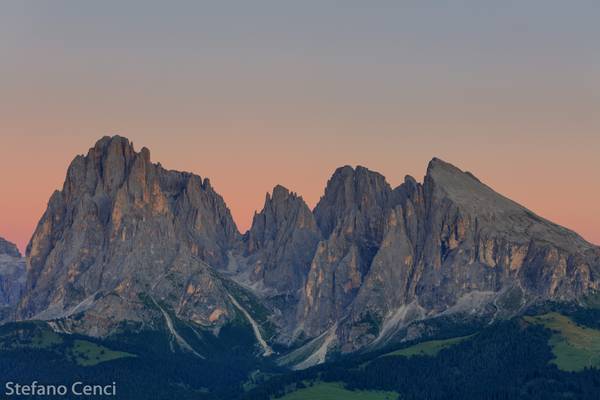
point(448, 246)
point(454, 245)
point(281, 242)
point(351, 216)
point(277, 253)
point(12, 277)
point(9, 249)
point(368, 261)
point(124, 230)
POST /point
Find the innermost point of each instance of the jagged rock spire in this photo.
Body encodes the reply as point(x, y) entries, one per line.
point(281, 241)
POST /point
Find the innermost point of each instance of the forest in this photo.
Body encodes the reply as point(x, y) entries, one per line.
point(511, 359)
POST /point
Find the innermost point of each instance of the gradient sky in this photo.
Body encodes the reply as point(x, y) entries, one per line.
point(251, 94)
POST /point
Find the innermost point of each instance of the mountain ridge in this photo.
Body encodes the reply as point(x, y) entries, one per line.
point(368, 262)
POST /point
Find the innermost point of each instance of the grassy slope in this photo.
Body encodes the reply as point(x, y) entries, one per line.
point(429, 348)
point(38, 336)
point(30, 336)
point(87, 353)
point(335, 391)
point(575, 347)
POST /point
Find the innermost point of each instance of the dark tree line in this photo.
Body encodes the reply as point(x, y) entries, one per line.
point(505, 361)
point(508, 360)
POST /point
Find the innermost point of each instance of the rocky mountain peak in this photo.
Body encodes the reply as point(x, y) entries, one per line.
point(352, 216)
point(280, 193)
point(120, 225)
point(283, 211)
point(474, 200)
point(438, 164)
point(9, 248)
point(464, 189)
point(351, 191)
point(106, 167)
point(280, 203)
point(281, 241)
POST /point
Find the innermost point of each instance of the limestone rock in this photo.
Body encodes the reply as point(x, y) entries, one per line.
point(12, 278)
point(123, 230)
point(452, 244)
point(127, 241)
point(351, 216)
point(281, 242)
point(9, 249)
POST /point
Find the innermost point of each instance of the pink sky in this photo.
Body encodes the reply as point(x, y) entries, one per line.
point(553, 176)
point(254, 95)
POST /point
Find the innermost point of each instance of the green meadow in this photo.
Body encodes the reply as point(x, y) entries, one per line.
point(87, 353)
point(429, 348)
point(575, 347)
point(336, 391)
point(38, 336)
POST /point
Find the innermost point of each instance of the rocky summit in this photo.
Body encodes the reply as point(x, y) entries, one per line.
point(123, 234)
point(127, 244)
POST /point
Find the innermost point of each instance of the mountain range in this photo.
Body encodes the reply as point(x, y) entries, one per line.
point(129, 246)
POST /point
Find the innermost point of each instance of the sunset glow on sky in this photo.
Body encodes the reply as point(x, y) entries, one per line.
point(254, 95)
